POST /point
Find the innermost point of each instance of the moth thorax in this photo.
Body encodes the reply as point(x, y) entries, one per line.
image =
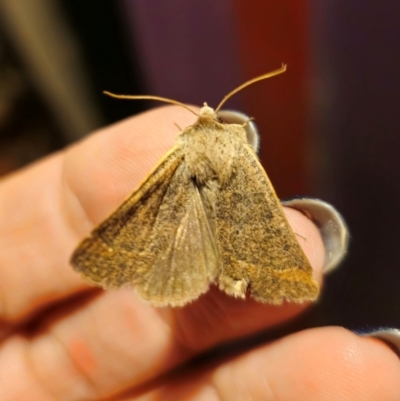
point(208, 159)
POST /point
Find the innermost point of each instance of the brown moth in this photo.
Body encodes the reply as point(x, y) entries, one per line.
point(206, 214)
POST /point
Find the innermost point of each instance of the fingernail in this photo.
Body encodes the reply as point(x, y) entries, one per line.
point(390, 336)
point(331, 226)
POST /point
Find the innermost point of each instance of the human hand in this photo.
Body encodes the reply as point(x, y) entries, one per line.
point(63, 340)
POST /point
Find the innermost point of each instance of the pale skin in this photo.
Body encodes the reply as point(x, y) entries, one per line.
point(63, 340)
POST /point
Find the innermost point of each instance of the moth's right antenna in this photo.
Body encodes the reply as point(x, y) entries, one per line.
point(252, 81)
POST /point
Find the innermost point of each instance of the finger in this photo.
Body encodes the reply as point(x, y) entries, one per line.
point(116, 341)
point(325, 364)
point(47, 208)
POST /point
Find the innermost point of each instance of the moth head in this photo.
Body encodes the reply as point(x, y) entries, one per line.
point(207, 112)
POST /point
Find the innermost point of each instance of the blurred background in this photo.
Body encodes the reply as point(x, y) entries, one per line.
point(330, 126)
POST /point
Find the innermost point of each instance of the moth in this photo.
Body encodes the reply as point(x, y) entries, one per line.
point(206, 214)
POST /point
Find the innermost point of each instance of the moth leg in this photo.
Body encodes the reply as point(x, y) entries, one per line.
point(232, 287)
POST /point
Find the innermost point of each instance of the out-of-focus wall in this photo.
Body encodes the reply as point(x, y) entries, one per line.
point(357, 61)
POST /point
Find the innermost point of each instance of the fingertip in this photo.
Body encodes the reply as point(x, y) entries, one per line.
point(331, 226)
point(309, 239)
point(329, 363)
point(359, 365)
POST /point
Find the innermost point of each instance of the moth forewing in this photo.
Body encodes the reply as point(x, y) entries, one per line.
point(106, 258)
point(258, 248)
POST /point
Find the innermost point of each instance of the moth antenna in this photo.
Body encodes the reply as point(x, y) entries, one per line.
point(177, 126)
point(247, 121)
point(151, 97)
point(252, 81)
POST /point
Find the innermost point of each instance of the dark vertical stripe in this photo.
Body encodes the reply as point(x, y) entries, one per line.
point(362, 132)
point(112, 62)
point(272, 32)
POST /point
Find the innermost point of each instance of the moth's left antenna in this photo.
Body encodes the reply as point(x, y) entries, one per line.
point(151, 97)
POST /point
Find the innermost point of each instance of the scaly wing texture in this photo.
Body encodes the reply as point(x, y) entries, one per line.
point(184, 244)
point(105, 258)
point(159, 239)
point(257, 246)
